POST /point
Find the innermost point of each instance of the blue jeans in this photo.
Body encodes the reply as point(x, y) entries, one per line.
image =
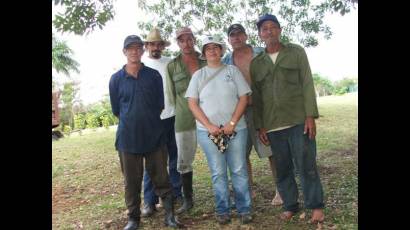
point(290, 145)
point(233, 158)
point(149, 195)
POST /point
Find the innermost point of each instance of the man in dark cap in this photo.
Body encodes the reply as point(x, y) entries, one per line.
point(241, 57)
point(285, 110)
point(137, 102)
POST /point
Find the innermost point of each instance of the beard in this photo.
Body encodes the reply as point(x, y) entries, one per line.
point(156, 53)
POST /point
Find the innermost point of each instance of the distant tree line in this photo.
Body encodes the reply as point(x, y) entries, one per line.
point(324, 87)
point(76, 116)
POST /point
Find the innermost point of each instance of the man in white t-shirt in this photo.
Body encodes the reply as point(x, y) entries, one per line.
point(155, 45)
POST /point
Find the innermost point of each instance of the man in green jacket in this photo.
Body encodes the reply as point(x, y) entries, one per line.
point(285, 112)
point(178, 73)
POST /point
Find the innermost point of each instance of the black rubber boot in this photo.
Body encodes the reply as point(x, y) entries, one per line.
point(133, 224)
point(170, 221)
point(188, 202)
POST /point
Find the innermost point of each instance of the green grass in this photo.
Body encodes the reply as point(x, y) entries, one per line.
point(88, 190)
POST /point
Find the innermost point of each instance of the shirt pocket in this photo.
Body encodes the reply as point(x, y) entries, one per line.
point(290, 84)
point(289, 72)
point(181, 81)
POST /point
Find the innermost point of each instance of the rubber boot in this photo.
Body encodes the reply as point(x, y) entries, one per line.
point(170, 220)
point(187, 191)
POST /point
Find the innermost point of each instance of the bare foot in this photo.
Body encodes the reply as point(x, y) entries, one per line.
point(317, 216)
point(253, 194)
point(287, 215)
point(277, 200)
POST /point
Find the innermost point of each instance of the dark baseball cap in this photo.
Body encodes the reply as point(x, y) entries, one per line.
point(235, 27)
point(267, 17)
point(132, 39)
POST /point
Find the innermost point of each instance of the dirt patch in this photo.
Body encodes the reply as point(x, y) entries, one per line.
point(62, 199)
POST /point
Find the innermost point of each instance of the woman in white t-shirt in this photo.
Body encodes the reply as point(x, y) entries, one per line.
point(217, 96)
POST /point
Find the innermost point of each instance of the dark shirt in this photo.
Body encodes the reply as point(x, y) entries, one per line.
point(138, 103)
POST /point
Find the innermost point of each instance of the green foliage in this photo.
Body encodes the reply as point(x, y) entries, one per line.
point(67, 129)
point(92, 120)
point(301, 20)
point(68, 97)
point(79, 121)
point(323, 86)
point(83, 16)
point(61, 58)
point(106, 120)
point(346, 85)
point(96, 115)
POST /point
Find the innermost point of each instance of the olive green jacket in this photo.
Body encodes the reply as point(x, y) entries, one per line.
point(283, 93)
point(178, 78)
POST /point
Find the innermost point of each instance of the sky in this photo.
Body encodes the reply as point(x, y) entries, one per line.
point(100, 52)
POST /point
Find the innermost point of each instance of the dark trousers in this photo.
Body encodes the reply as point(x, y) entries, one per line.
point(149, 195)
point(290, 145)
point(132, 168)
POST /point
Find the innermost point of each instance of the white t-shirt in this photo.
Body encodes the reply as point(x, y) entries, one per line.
point(160, 65)
point(218, 99)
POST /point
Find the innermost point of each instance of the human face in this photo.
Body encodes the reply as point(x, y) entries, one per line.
point(186, 43)
point(134, 52)
point(155, 49)
point(269, 32)
point(237, 39)
point(213, 52)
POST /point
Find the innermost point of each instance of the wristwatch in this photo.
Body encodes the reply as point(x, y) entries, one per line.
point(232, 123)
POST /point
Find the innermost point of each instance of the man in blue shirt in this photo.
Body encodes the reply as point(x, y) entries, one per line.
point(137, 102)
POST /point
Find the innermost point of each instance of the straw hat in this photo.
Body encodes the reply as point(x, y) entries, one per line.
point(155, 36)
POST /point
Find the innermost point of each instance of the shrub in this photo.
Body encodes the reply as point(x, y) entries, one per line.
point(92, 120)
point(66, 129)
point(79, 121)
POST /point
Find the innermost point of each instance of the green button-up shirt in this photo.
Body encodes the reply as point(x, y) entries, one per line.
point(283, 93)
point(178, 78)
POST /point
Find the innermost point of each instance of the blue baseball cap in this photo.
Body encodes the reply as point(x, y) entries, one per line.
point(267, 17)
point(132, 39)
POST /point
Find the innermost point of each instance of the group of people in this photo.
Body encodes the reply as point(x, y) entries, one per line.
point(253, 96)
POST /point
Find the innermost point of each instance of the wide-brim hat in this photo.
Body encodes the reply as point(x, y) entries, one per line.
point(212, 39)
point(155, 36)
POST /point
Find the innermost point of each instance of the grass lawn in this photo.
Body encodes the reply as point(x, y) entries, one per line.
point(87, 185)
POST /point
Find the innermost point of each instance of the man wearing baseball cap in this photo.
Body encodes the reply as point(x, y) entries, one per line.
point(285, 110)
point(241, 57)
point(179, 72)
point(137, 102)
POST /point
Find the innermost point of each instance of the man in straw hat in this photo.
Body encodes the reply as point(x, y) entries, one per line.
point(179, 72)
point(137, 102)
point(155, 45)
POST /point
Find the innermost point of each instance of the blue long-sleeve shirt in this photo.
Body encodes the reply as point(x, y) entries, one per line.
point(138, 103)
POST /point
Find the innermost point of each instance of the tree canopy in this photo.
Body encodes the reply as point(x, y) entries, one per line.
point(301, 20)
point(83, 16)
point(62, 60)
